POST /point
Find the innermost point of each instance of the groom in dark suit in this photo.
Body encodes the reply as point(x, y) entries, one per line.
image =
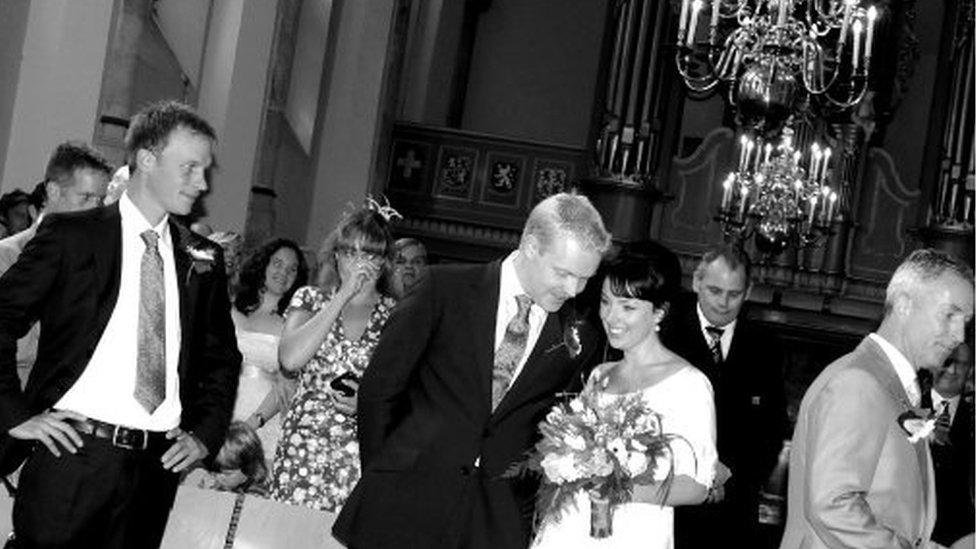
point(466, 368)
point(744, 363)
point(137, 364)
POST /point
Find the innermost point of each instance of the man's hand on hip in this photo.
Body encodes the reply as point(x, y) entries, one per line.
point(51, 429)
point(185, 451)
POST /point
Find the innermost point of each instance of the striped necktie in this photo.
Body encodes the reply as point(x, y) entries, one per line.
point(715, 343)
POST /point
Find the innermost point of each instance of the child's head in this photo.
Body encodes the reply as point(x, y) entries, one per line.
point(242, 451)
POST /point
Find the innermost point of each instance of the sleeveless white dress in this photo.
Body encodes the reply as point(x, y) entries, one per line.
point(259, 376)
point(686, 405)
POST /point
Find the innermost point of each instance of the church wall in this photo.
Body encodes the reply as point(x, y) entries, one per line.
point(13, 28)
point(534, 68)
point(905, 136)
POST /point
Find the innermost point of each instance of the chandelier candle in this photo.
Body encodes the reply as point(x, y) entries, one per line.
point(773, 197)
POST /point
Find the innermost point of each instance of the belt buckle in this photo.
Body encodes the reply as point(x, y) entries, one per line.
point(124, 442)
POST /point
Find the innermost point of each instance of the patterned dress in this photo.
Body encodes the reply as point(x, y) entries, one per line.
point(317, 461)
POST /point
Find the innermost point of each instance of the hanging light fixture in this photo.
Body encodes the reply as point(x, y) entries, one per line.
point(773, 198)
point(777, 53)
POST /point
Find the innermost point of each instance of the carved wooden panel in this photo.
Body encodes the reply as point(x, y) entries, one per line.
point(886, 210)
point(468, 194)
point(688, 221)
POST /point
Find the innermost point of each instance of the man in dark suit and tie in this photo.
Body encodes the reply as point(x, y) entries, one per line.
point(952, 447)
point(137, 364)
point(466, 368)
point(745, 366)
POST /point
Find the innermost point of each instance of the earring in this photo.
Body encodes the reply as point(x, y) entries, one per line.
point(657, 326)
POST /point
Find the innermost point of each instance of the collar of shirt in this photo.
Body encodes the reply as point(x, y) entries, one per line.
point(727, 331)
point(938, 399)
point(906, 374)
point(509, 287)
point(133, 222)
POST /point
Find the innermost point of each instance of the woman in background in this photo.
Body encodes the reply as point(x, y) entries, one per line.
point(268, 280)
point(330, 333)
point(232, 243)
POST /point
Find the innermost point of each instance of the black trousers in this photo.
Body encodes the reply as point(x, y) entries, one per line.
point(102, 496)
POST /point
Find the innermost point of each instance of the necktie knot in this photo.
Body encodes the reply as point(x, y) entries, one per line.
point(151, 238)
point(524, 304)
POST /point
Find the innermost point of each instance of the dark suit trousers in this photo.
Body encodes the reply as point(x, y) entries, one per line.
point(103, 496)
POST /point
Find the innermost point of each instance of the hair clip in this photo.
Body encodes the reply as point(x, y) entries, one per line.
point(385, 210)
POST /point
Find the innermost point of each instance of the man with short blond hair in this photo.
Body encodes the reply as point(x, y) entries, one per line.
point(467, 366)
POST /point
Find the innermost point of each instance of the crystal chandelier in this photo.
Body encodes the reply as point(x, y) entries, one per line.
point(773, 198)
point(776, 53)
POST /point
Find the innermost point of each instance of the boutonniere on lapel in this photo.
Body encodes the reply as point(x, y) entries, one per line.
point(571, 339)
point(917, 424)
point(202, 260)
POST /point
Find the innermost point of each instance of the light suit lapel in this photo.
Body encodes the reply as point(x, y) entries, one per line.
point(884, 372)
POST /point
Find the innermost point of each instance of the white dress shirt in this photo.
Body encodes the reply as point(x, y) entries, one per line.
point(727, 333)
point(104, 391)
point(906, 374)
point(510, 287)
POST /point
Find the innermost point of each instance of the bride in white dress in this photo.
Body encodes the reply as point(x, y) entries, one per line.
point(633, 302)
point(268, 279)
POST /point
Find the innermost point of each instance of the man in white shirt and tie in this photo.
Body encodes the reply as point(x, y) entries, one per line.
point(743, 360)
point(137, 363)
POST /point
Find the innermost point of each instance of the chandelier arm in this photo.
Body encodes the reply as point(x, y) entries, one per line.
point(857, 98)
point(734, 12)
point(830, 19)
point(697, 83)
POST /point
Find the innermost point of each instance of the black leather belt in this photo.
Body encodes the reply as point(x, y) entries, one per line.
point(120, 436)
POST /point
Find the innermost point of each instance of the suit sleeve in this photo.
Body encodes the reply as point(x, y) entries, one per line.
point(214, 361)
point(400, 350)
point(23, 290)
point(846, 437)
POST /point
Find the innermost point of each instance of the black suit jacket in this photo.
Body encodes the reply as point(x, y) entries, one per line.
point(425, 419)
point(68, 279)
point(953, 464)
point(750, 410)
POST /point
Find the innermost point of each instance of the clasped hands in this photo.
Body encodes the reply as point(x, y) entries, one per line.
point(717, 492)
point(54, 430)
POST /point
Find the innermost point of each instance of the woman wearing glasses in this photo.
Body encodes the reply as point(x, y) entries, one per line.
point(329, 335)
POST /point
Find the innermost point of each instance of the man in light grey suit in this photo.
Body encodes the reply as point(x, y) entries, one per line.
point(857, 480)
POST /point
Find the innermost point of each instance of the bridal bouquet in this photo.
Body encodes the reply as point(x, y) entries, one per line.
point(604, 448)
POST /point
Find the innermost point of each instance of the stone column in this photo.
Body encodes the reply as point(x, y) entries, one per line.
point(232, 90)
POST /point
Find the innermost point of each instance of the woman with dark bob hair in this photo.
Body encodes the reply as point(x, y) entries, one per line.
point(634, 299)
point(329, 336)
point(268, 279)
